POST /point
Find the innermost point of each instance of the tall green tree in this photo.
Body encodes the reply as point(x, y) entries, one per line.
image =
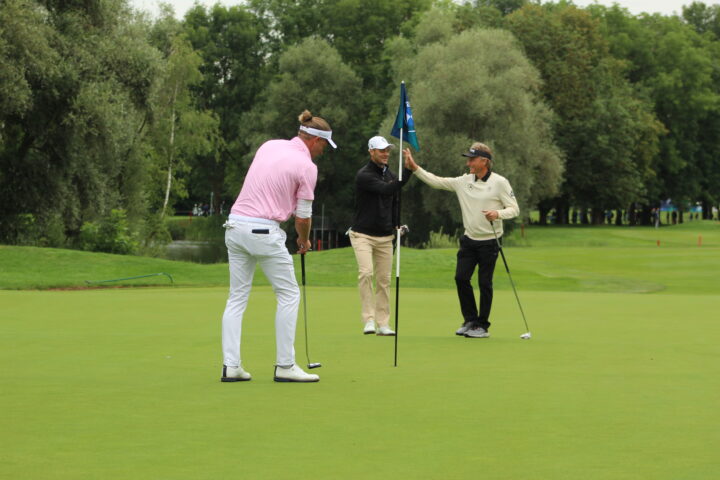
point(677, 68)
point(313, 76)
point(604, 127)
point(180, 131)
point(495, 98)
point(71, 150)
point(703, 18)
point(232, 44)
point(357, 29)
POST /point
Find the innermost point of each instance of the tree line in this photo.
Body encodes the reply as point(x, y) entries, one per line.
point(108, 113)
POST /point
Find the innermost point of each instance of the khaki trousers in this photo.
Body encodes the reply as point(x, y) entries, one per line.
point(374, 257)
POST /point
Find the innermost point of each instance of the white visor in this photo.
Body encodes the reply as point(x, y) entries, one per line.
point(327, 135)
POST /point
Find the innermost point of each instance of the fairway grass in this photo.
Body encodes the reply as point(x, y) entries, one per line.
point(124, 384)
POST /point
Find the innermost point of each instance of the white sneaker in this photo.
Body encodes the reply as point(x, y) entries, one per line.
point(294, 374)
point(232, 374)
point(369, 328)
point(385, 331)
point(464, 328)
point(477, 332)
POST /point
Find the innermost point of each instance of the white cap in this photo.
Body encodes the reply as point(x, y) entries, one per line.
point(326, 134)
point(378, 143)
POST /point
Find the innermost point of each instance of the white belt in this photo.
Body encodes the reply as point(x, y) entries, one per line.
point(264, 221)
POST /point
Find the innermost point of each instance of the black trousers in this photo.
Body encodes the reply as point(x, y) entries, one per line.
point(482, 254)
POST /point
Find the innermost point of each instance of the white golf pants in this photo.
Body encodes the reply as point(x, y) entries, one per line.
point(252, 241)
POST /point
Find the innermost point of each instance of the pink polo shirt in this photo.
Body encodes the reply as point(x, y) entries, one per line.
point(281, 173)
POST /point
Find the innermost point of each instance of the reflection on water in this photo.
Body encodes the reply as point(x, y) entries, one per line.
point(198, 252)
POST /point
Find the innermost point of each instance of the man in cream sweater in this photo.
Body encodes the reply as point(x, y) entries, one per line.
point(486, 199)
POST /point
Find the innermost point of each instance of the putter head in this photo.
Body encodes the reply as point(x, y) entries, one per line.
point(526, 336)
point(314, 365)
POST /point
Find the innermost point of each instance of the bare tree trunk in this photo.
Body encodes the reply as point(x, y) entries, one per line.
point(597, 215)
point(170, 155)
point(543, 215)
point(645, 215)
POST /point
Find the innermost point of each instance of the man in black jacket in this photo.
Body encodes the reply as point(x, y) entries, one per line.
point(372, 233)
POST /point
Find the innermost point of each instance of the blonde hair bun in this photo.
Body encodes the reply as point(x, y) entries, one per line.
point(305, 116)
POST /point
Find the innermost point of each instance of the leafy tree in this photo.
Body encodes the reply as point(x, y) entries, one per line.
point(313, 76)
point(494, 98)
point(180, 131)
point(676, 67)
point(82, 75)
point(604, 127)
point(703, 18)
point(232, 44)
point(357, 29)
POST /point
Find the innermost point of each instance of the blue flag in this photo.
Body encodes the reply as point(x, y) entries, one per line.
point(404, 120)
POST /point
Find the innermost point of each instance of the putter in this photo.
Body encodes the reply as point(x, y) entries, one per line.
point(527, 335)
point(307, 349)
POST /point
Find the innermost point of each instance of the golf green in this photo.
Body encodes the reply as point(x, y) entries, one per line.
point(124, 384)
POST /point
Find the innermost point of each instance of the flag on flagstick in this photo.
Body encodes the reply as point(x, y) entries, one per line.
point(404, 127)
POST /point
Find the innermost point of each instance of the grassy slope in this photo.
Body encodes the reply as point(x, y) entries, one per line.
point(598, 259)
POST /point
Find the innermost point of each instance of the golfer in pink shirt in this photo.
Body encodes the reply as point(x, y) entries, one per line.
point(279, 184)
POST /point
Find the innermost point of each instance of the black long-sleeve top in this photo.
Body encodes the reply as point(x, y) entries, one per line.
point(376, 199)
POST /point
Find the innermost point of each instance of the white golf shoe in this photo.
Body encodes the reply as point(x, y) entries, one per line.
point(294, 374)
point(385, 331)
point(369, 328)
point(234, 374)
point(477, 332)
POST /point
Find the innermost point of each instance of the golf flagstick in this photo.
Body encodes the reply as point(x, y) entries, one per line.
point(397, 248)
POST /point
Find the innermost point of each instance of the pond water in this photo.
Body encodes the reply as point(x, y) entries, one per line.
point(198, 252)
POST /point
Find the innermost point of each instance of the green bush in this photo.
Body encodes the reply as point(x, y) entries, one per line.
point(177, 227)
point(156, 235)
point(441, 240)
point(111, 235)
point(53, 233)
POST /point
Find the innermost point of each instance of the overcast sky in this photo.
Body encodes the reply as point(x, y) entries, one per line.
point(665, 7)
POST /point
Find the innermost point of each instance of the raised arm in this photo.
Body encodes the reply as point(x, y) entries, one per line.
point(441, 183)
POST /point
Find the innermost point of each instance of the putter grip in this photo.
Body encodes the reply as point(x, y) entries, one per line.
point(302, 267)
